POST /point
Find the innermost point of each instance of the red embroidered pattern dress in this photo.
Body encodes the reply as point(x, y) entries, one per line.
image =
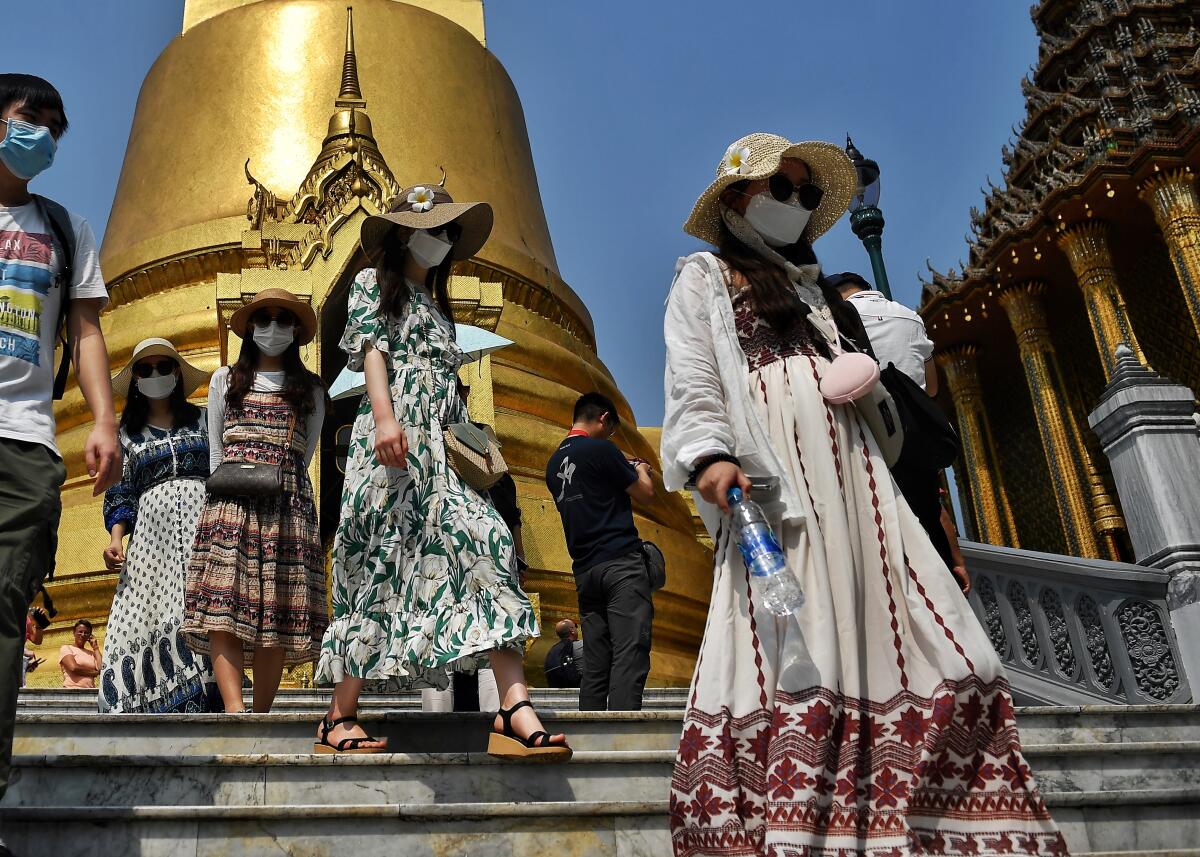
point(882, 723)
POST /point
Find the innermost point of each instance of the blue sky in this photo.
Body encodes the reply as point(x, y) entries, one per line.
point(629, 107)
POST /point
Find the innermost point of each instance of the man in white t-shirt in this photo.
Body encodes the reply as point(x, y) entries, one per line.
point(31, 288)
point(897, 333)
point(897, 336)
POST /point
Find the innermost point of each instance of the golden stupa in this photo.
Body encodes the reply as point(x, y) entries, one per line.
point(252, 162)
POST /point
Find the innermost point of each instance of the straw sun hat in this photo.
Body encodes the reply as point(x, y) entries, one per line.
point(757, 156)
point(429, 206)
point(279, 299)
point(192, 378)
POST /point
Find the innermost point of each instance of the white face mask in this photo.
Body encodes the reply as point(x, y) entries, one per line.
point(273, 339)
point(427, 250)
point(779, 223)
point(157, 386)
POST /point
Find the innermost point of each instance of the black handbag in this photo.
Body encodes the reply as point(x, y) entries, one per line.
point(250, 478)
point(930, 441)
point(656, 565)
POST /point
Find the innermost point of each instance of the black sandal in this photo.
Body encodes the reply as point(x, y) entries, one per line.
point(346, 745)
point(536, 748)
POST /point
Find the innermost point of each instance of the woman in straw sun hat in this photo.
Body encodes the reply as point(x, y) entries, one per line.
point(147, 666)
point(877, 718)
point(256, 583)
point(425, 579)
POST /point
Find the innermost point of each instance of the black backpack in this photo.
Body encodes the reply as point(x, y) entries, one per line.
point(562, 668)
point(930, 441)
point(60, 224)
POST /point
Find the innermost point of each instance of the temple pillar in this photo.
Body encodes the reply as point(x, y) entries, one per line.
point(1086, 246)
point(1172, 197)
point(993, 514)
point(1066, 456)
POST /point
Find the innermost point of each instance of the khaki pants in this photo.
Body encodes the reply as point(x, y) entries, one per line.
point(31, 478)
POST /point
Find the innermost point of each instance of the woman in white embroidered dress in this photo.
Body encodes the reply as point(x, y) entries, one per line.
point(881, 721)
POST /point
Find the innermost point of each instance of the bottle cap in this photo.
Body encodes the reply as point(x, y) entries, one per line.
point(734, 495)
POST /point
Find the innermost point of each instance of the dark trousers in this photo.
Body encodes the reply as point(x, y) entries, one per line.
point(615, 612)
point(922, 490)
point(31, 477)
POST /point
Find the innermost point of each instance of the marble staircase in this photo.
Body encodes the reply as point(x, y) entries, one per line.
point(1119, 779)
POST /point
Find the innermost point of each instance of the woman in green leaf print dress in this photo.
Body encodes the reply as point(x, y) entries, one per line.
point(424, 570)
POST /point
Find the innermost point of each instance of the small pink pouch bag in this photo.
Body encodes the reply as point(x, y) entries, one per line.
point(850, 376)
point(854, 377)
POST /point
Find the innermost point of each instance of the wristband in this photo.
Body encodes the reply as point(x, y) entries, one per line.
point(708, 461)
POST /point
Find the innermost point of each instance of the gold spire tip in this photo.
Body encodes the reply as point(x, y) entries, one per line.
point(350, 94)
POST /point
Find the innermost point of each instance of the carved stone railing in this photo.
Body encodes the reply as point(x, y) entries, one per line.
point(1077, 631)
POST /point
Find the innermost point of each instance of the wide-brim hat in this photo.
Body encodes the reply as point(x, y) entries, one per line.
point(429, 206)
point(280, 299)
point(757, 156)
point(192, 376)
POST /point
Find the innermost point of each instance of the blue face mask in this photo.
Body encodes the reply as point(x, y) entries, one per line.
point(26, 149)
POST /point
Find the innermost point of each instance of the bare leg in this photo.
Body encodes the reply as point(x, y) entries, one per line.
point(268, 670)
point(227, 669)
point(509, 669)
point(345, 704)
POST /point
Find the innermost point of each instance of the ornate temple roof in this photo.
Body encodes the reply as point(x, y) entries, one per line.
point(1115, 84)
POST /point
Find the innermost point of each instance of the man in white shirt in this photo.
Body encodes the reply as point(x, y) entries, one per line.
point(897, 333)
point(35, 234)
point(897, 336)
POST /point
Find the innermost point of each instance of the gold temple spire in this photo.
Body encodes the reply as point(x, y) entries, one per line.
point(350, 94)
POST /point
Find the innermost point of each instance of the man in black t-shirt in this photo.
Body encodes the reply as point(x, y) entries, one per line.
point(592, 484)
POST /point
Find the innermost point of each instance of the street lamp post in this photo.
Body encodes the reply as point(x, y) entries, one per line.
point(865, 217)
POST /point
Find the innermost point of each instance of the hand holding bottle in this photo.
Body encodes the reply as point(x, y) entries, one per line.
point(772, 582)
point(716, 481)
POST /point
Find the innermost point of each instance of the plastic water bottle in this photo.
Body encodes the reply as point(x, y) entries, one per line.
point(773, 581)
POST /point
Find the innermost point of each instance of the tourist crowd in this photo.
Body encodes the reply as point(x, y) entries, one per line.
point(215, 540)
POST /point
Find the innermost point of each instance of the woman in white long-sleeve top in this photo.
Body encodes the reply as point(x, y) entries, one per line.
point(256, 583)
point(878, 719)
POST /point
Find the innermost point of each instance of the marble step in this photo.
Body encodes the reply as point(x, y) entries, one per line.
point(282, 779)
point(1108, 723)
point(62, 733)
point(1108, 824)
point(556, 829)
point(304, 778)
point(317, 699)
point(290, 730)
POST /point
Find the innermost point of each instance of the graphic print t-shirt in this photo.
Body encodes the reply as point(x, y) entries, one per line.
point(30, 297)
point(587, 478)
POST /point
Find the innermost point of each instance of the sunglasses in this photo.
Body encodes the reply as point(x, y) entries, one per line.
point(450, 231)
point(783, 188)
point(146, 368)
point(281, 317)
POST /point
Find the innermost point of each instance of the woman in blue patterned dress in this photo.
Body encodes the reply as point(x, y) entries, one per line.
point(147, 667)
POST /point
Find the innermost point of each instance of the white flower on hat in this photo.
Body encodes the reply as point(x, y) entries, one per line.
point(737, 160)
point(421, 198)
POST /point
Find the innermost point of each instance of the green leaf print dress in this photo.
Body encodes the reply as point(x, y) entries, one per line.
point(424, 569)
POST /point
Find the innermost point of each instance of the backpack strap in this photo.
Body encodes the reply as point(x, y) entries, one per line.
point(60, 224)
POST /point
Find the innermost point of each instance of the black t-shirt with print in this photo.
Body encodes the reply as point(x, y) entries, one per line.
point(587, 478)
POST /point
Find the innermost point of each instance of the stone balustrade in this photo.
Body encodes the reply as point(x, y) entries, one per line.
point(1077, 631)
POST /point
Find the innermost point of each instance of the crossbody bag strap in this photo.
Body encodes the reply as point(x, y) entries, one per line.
point(60, 224)
point(292, 420)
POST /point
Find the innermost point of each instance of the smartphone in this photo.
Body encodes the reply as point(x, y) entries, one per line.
point(763, 489)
